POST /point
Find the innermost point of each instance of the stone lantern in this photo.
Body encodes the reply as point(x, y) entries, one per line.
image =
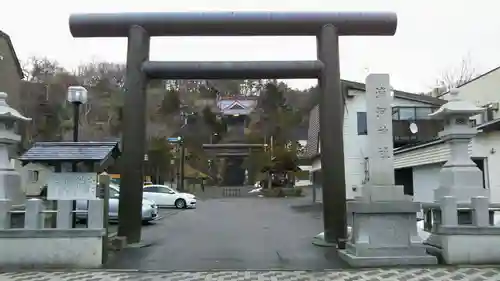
point(459, 177)
point(10, 180)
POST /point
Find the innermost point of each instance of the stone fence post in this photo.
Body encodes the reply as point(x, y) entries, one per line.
point(5, 207)
point(33, 215)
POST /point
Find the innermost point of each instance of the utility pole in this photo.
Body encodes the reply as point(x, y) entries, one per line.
point(181, 168)
point(271, 147)
point(180, 184)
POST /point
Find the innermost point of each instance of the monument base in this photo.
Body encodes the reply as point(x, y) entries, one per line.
point(452, 244)
point(357, 261)
point(384, 233)
point(319, 240)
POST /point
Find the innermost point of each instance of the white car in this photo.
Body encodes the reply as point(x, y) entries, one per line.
point(165, 196)
point(302, 183)
point(149, 208)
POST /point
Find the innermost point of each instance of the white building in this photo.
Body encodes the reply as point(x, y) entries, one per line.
point(420, 164)
point(407, 108)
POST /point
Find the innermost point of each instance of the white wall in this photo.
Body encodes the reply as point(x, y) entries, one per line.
point(355, 146)
point(426, 163)
point(28, 185)
point(425, 181)
point(79, 252)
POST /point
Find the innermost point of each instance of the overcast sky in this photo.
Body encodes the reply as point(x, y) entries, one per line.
point(433, 36)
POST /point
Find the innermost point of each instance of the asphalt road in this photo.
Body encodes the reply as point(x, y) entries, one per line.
point(233, 234)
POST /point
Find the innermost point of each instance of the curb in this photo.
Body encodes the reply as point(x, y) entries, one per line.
point(49, 270)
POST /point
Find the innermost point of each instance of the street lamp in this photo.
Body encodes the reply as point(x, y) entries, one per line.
point(77, 95)
point(212, 137)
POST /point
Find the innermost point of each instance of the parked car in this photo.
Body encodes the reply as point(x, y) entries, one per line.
point(165, 196)
point(302, 183)
point(149, 208)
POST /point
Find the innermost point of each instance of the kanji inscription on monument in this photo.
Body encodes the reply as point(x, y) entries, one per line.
point(380, 148)
point(72, 186)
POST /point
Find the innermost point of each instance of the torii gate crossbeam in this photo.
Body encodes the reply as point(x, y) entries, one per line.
point(326, 26)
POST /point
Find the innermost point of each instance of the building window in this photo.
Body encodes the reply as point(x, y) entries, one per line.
point(411, 113)
point(423, 113)
point(489, 114)
point(33, 176)
point(362, 126)
point(406, 113)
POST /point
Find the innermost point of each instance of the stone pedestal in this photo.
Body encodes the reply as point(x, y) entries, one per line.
point(383, 219)
point(384, 233)
point(473, 243)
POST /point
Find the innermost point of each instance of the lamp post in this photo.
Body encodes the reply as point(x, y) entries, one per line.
point(77, 95)
point(212, 135)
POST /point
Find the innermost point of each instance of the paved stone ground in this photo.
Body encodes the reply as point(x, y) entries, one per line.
point(223, 239)
point(233, 234)
point(400, 274)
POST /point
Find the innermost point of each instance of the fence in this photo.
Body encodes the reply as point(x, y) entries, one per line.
point(222, 191)
point(34, 245)
point(463, 233)
point(448, 213)
point(231, 192)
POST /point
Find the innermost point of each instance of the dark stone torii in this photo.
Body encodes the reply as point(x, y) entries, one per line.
point(326, 26)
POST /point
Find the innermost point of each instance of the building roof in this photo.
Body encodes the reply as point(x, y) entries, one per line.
point(472, 80)
point(418, 145)
point(70, 151)
point(14, 55)
point(493, 125)
point(351, 85)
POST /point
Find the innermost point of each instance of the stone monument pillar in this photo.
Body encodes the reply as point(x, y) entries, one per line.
point(10, 180)
point(383, 218)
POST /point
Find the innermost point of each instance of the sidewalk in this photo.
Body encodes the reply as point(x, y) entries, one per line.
point(399, 274)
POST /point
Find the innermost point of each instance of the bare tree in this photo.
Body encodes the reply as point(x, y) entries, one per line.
point(455, 77)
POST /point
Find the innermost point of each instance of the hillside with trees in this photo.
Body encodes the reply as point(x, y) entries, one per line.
point(174, 107)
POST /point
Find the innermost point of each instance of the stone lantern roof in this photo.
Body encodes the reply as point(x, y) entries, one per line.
point(456, 106)
point(7, 112)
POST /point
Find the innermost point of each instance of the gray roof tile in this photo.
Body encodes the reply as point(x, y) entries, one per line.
point(53, 151)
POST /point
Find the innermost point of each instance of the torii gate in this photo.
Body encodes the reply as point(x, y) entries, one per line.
point(326, 26)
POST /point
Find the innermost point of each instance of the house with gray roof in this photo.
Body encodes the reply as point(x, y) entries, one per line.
point(408, 108)
point(11, 72)
point(44, 158)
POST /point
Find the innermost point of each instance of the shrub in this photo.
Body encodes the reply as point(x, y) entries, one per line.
point(272, 192)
